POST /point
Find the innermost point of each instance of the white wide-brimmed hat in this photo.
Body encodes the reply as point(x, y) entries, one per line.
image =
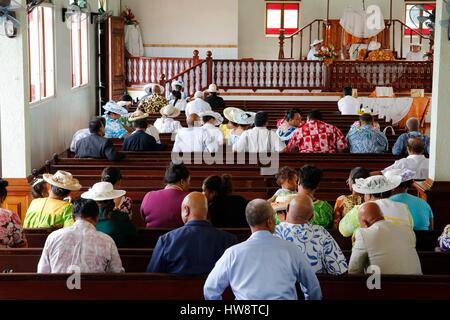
point(177, 83)
point(124, 104)
point(199, 95)
point(376, 184)
point(212, 88)
point(138, 115)
point(404, 174)
point(63, 180)
point(113, 107)
point(102, 191)
point(374, 45)
point(416, 44)
point(239, 116)
point(150, 86)
point(316, 42)
point(215, 115)
point(170, 111)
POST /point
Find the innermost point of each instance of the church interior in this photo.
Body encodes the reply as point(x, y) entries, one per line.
point(65, 64)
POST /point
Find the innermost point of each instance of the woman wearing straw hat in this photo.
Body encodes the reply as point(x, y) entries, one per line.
point(315, 48)
point(155, 101)
point(114, 129)
point(238, 122)
point(113, 222)
point(167, 124)
point(53, 211)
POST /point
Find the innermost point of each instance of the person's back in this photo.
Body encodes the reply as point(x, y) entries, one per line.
point(190, 140)
point(366, 139)
point(80, 134)
point(349, 105)
point(198, 105)
point(48, 213)
point(215, 101)
point(420, 210)
point(96, 147)
point(400, 147)
point(119, 227)
point(140, 141)
point(389, 246)
point(228, 212)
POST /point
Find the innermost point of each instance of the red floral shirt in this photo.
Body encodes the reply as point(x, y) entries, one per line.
point(317, 137)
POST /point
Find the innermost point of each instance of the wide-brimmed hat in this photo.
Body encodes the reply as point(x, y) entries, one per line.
point(124, 104)
point(150, 86)
point(138, 115)
point(113, 107)
point(199, 95)
point(416, 44)
point(316, 42)
point(374, 45)
point(63, 180)
point(212, 88)
point(177, 83)
point(404, 174)
point(376, 184)
point(170, 111)
point(103, 191)
point(215, 115)
point(239, 116)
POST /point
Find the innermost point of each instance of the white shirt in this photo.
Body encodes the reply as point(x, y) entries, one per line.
point(80, 134)
point(390, 247)
point(80, 245)
point(167, 125)
point(197, 106)
point(349, 106)
point(257, 140)
point(194, 140)
point(311, 55)
point(180, 105)
point(415, 56)
point(395, 212)
point(417, 163)
point(215, 133)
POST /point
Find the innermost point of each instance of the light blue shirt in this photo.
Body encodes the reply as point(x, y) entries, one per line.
point(366, 139)
point(263, 268)
point(114, 128)
point(420, 210)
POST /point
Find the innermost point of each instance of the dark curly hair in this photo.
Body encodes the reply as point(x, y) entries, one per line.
point(309, 177)
point(284, 174)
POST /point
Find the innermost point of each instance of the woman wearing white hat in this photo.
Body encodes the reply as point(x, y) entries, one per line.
point(213, 99)
point(113, 222)
point(416, 53)
point(154, 102)
point(315, 48)
point(238, 122)
point(114, 129)
point(211, 121)
point(167, 124)
point(198, 105)
point(53, 211)
point(377, 189)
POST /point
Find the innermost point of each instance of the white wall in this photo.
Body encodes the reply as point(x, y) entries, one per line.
point(176, 28)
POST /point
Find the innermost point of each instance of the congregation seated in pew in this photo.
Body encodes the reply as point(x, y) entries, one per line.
point(316, 243)
point(80, 247)
point(11, 231)
point(96, 146)
point(291, 122)
point(53, 211)
point(383, 244)
point(139, 140)
point(194, 248)
point(400, 147)
point(366, 138)
point(83, 133)
point(114, 128)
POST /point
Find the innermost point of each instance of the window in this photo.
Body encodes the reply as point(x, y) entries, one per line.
point(79, 35)
point(413, 11)
point(41, 53)
point(282, 16)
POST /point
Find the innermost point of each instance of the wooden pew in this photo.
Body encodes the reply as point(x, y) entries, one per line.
point(167, 287)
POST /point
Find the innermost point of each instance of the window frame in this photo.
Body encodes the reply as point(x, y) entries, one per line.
point(282, 3)
point(79, 52)
point(43, 35)
point(407, 32)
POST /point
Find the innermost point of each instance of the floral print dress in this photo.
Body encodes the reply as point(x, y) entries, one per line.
point(11, 232)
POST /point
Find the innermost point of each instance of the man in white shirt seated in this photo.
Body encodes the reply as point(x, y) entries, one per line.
point(211, 121)
point(349, 105)
point(83, 133)
point(388, 246)
point(197, 106)
point(416, 53)
point(80, 247)
point(260, 139)
point(167, 124)
point(315, 48)
point(194, 138)
point(264, 267)
point(416, 160)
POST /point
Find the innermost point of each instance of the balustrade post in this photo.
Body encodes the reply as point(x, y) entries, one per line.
point(162, 80)
point(209, 68)
point(328, 70)
point(281, 42)
point(196, 57)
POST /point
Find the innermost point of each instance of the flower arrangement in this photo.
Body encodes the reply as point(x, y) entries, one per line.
point(327, 54)
point(130, 18)
point(428, 55)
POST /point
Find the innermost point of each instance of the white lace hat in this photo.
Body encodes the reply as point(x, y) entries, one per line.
point(376, 184)
point(215, 115)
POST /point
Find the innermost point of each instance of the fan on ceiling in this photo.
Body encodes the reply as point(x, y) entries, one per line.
point(8, 21)
point(77, 11)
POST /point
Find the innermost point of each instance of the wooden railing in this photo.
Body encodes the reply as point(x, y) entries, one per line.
point(366, 75)
point(268, 74)
point(143, 70)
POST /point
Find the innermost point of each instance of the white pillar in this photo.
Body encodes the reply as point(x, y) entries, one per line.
point(440, 113)
point(14, 103)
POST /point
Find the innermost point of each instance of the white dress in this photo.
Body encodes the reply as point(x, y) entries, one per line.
point(167, 125)
point(311, 55)
point(197, 106)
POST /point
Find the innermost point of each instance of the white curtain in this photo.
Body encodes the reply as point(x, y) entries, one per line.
point(133, 40)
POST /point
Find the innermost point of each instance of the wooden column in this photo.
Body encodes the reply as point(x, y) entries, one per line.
point(281, 42)
point(209, 68)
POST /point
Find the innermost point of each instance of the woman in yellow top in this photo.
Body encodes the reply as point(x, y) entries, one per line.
point(53, 211)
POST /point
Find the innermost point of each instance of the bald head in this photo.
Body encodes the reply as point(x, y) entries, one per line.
point(194, 207)
point(300, 210)
point(369, 213)
point(260, 215)
point(192, 120)
point(413, 124)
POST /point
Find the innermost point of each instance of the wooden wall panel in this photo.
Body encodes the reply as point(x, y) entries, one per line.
point(19, 197)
